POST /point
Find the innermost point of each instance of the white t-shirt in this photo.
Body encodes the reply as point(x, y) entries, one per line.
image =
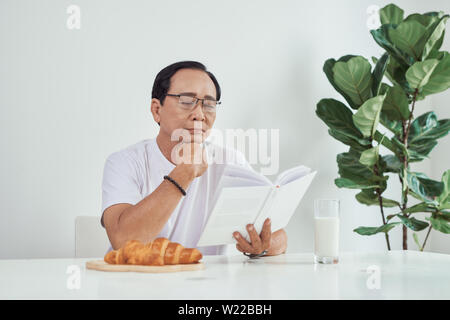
point(133, 173)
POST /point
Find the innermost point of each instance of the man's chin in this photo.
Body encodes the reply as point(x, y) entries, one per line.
point(194, 137)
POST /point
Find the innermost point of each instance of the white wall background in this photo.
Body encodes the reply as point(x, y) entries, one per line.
point(69, 98)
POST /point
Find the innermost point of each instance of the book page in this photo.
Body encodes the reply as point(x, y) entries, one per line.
point(291, 174)
point(241, 172)
point(240, 200)
point(231, 182)
point(235, 208)
point(287, 199)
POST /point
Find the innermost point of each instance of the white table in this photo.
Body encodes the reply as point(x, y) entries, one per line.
point(402, 275)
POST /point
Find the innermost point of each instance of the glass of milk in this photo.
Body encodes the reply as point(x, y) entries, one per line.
point(326, 231)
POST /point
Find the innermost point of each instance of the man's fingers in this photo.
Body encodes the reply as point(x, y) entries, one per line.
point(254, 237)
point(266, 234)
point(258, 243)
point(244, 245)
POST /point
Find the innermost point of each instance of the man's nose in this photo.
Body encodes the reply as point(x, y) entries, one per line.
point(198, 110)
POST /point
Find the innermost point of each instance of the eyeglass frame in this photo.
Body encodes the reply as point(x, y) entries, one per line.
point(196, 99)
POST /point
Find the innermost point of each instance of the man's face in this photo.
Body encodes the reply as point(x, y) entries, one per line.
point(171, 116)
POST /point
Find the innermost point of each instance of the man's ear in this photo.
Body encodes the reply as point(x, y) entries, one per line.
point(155, 110)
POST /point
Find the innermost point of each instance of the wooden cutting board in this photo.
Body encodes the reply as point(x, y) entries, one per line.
point(101, 265)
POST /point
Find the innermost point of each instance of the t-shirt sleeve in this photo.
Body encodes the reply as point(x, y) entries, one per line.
point(120, 181)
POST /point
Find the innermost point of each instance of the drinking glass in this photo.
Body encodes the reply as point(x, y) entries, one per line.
point(326, 231)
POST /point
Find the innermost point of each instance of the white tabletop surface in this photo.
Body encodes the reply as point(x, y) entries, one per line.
point(402, 275)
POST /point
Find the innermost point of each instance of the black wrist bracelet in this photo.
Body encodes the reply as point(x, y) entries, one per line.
point(176, 184)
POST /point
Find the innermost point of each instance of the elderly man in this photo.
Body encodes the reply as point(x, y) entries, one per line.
point(149, 193)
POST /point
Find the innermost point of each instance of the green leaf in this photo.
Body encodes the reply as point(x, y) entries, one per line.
point(396, 106)
point(370, 156)
point(435, 37)
point(349, 184)
point(389, 217)
point(440, 224)
point(381, 165)
point(388, 203)
point(434, 15)
point(381, 37)
point(395, 72)
point(444, 197)
point(420, 72)
point(368, 231)
point(368, 115)
point(391, 14)
point(339, 118)
point(420, 207)
point(424, 132)
point(422, 125)
point(440, 78)
point(354, 78)
point(445, 214)
point(354, 174)
point(382, 140)
point(408, 37)
point(393, 164)
point(413, 223)
point(328, 70)
point(401, 151)
point(355, 144)
point(435, 53)
point(370, 198)
point(433, 25)
point(424, 19)
point(423, 187)
point(394, 126)
point(414, 156)
point(378, 73)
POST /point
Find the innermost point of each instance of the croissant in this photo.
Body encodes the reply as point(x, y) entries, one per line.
point(160, 251)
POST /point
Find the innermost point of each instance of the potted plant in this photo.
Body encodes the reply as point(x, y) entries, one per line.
point(415, 68)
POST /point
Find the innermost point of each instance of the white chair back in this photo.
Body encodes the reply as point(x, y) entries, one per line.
point(91, 240)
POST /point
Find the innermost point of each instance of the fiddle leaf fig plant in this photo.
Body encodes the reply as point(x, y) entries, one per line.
point(414, 67)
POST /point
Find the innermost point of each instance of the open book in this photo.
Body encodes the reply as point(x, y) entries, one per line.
point(245, 196)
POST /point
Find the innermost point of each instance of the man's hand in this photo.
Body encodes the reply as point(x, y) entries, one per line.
point(193, 158)
point(259, 243)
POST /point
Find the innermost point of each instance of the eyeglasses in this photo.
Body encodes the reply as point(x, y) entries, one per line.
point(189, 102)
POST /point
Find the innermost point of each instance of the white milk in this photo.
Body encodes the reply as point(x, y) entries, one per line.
point(326, 236)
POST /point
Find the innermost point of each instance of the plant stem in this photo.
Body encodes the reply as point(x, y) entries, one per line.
point(380, 200)
point(425, 241)
point(410, 118)
point(405, 166)
point(405, 193)
point(405, 237)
